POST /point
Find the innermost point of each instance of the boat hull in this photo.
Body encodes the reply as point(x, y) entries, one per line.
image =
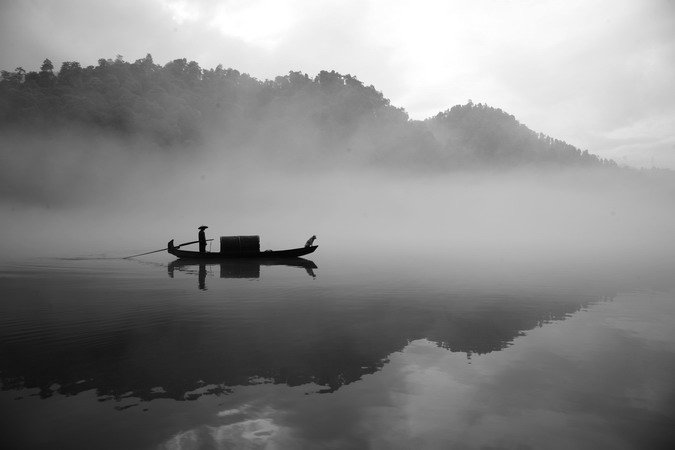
point(264, 255)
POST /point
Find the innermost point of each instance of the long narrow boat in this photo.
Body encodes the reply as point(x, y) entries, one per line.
point(238, 268)
point(264, 255)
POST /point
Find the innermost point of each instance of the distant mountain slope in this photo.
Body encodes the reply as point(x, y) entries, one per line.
point(181, 104)
point(476, 134)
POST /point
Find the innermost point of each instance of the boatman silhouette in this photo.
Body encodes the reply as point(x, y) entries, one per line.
point(202, 239)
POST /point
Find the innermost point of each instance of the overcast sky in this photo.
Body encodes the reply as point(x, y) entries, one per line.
point(598, 74)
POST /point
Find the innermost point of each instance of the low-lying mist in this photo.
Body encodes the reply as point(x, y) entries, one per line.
point(93, 196)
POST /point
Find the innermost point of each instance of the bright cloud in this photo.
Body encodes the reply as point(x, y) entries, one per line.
point(262, 23)
point(181, 11)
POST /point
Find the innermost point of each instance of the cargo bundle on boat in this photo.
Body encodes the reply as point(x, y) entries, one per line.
point(239, 244)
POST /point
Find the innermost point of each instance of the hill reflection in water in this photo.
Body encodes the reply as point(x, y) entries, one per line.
point(125, 330)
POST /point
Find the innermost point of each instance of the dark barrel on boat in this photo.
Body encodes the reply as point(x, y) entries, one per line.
point(239, 244)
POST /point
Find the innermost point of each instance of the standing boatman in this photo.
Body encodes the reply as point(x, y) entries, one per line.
point(202, 239)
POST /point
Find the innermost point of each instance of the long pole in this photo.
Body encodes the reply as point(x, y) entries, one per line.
point(163, 249)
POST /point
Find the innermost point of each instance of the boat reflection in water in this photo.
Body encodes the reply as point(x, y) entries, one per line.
point(237, 268)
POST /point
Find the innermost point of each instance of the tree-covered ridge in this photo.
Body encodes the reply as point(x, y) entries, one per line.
point(164, 103)
point(472, 133)
point(177, 103)
point(181, 103)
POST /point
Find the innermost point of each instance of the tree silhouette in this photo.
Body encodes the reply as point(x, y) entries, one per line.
point(180, 103)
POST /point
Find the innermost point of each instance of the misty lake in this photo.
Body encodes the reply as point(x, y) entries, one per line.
point(369, 350)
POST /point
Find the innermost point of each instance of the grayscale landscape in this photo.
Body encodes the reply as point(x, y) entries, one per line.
point(495, 262)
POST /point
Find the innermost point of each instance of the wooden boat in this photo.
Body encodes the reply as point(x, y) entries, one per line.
point(252, 254)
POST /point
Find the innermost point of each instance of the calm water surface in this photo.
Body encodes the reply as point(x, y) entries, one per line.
point(346, 352)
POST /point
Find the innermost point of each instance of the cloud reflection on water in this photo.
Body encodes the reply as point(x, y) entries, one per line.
point(572, 384)
point(407, 352)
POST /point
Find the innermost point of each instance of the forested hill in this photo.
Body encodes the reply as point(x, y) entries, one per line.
point(181, 105)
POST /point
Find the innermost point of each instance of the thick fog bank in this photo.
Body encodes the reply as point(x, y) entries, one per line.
point(113, 198)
